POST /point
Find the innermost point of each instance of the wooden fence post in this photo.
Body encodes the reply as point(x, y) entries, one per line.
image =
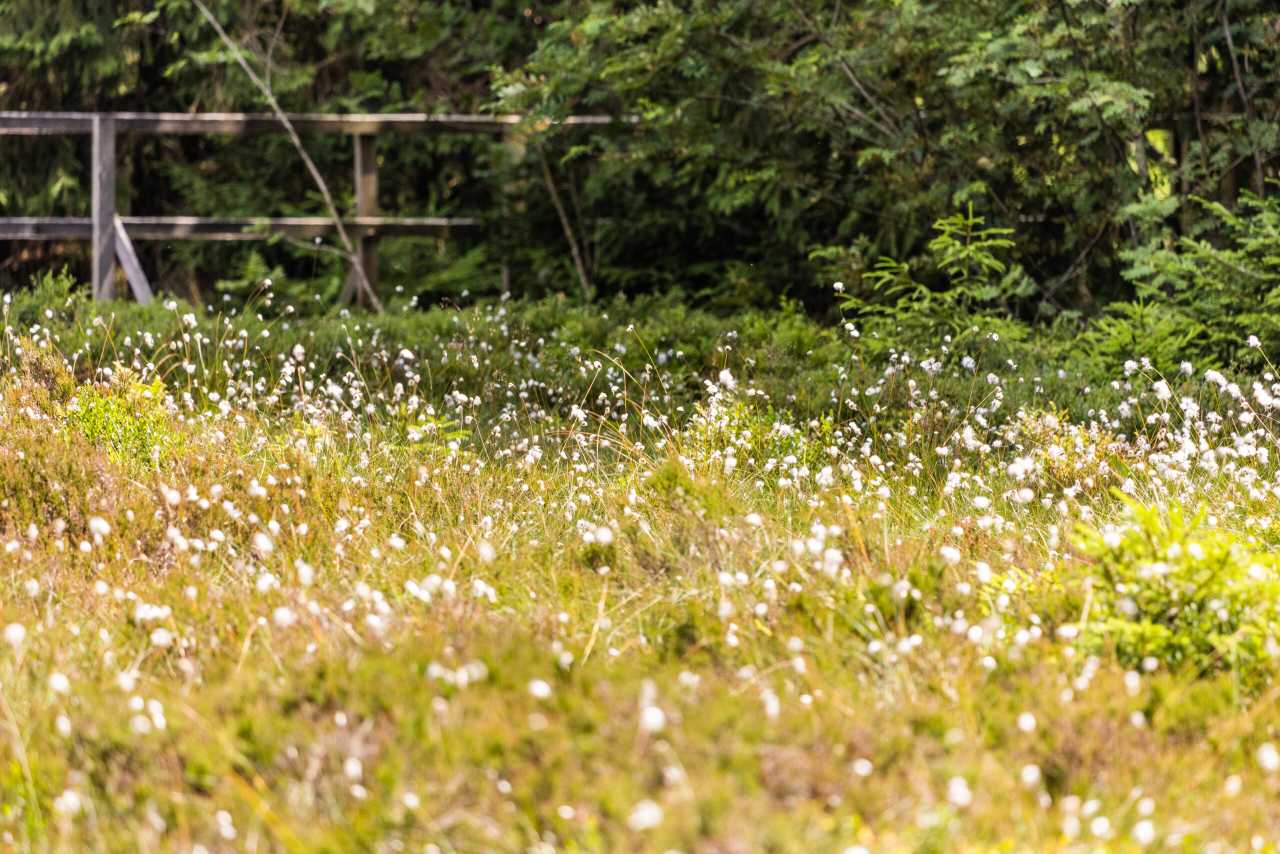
point(513, 147)
point(366, 186)
point(103, 178)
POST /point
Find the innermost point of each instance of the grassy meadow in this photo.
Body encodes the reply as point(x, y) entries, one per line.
point(524, 576)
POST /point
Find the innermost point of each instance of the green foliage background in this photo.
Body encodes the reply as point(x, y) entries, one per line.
point(780, 146)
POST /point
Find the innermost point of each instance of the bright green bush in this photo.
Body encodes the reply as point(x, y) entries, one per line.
point(128, 418)
point(1170, 586)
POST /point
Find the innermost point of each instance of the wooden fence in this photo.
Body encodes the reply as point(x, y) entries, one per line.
point(112, 235)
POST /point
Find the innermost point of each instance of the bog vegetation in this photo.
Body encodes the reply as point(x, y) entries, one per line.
point(527, 576)
point(875, 446)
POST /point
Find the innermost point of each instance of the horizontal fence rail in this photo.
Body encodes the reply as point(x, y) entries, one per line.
point(227, 228)
point(111, 234)
point(56, 124)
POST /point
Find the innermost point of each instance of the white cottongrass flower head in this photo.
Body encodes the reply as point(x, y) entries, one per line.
point(1144, 832)
point(15, 634)
point(263, 544)
point(959, 794)
point(69, 803)
point(1268, 757)
point(645, 815)
point(652, 718)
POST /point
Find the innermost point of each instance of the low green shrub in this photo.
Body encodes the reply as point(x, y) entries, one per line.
point(1170, 587)
point(127, 417)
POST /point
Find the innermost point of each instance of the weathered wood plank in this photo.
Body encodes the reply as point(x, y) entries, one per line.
point(48, 123)
point(227, 228)
point(103, 182)
point(513, 147)
point(44, 124)
point(132, 267)
point(248, 123)
point(46, 228)
point(366, 192)
point(366, 175)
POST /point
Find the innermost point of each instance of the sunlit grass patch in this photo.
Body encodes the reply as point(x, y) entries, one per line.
point(252, 601)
